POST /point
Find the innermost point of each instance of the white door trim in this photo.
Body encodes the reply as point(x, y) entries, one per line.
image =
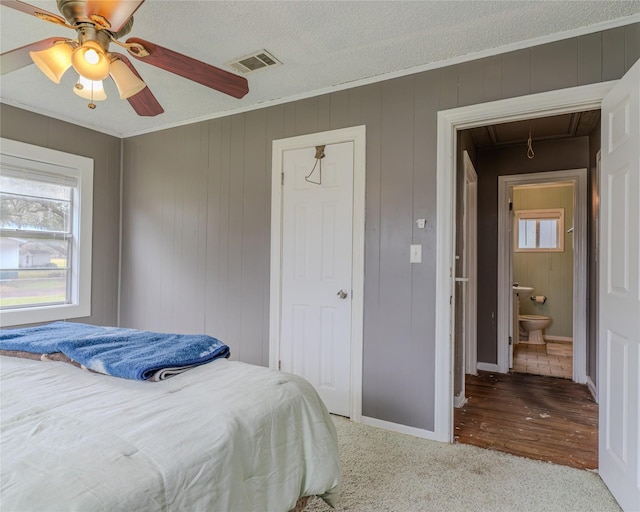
point(357, 135)
point(505, 249)
point(572, 99)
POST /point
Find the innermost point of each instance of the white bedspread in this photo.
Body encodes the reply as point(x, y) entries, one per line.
point(226, 436)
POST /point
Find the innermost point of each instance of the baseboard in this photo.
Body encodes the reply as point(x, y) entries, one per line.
point(558, 339)
point(487, 367)
point(592, 388)
point(401, 429)
point(459, 401)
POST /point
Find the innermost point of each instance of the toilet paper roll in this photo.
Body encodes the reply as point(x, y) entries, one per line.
point(539, 299)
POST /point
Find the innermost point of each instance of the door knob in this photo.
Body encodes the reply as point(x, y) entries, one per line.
point(342, 294)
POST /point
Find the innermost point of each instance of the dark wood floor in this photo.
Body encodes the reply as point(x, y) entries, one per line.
point(542, 418)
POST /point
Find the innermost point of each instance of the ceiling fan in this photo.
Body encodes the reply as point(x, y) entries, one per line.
point(98, 23)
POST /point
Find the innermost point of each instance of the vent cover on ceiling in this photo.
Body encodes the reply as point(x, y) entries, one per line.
point(255, 61)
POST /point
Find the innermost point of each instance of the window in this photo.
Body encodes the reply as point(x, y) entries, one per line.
point(539, 230)
point(46, 200)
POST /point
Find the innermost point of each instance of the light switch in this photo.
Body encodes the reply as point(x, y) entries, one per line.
point(415, 254)
point(421, 223)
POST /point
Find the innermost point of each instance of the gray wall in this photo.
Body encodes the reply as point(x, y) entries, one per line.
point(549, 156)
point(104, 149)
point(196, 210)
point(549, 273)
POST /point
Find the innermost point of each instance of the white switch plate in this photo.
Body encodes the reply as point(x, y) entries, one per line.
point(415, 253)
point(421, 223)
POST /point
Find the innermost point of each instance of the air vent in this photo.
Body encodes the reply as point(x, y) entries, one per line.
point(255, 61)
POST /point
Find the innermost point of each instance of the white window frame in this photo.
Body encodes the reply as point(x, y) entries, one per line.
point(80, 168)
point(556, 214)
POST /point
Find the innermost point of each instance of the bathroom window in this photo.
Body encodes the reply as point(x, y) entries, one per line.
point(539, 230)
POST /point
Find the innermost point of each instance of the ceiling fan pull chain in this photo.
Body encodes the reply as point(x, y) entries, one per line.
point(92, 105)
point(319, 157)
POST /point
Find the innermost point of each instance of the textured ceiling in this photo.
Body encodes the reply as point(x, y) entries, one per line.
point(324, 45)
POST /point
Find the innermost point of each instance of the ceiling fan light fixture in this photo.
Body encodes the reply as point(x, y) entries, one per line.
point(90, 61)
point(126, 81)
point(89, 89)
point(54, 61)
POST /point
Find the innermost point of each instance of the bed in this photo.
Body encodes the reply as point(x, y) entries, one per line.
point(222, 436)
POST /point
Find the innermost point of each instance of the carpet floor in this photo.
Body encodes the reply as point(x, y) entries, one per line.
point(385, 471)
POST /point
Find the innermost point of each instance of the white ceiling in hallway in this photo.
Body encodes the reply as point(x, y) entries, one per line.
point(324, 46)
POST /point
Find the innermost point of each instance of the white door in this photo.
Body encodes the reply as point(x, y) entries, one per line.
point(619, 368)
point(466, 301)
point(470, 265)
point(317, 233)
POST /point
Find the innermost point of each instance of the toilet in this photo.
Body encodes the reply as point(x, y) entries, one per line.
point(534, 325)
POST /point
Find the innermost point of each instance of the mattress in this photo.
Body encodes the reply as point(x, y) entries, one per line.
point(225, 436)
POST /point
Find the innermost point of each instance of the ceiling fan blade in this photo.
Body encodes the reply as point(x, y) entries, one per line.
point(144, 103)
point(19, 58)
point(116, 12)
point(192, 69)
point(34, 11)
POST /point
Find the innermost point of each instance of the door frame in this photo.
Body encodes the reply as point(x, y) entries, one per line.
point(577, 177)
point(357, 135)
point(573, 99)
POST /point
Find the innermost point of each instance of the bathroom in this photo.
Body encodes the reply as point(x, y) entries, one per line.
point(542, 259)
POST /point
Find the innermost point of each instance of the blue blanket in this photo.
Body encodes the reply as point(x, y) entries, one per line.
point(127, 353)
